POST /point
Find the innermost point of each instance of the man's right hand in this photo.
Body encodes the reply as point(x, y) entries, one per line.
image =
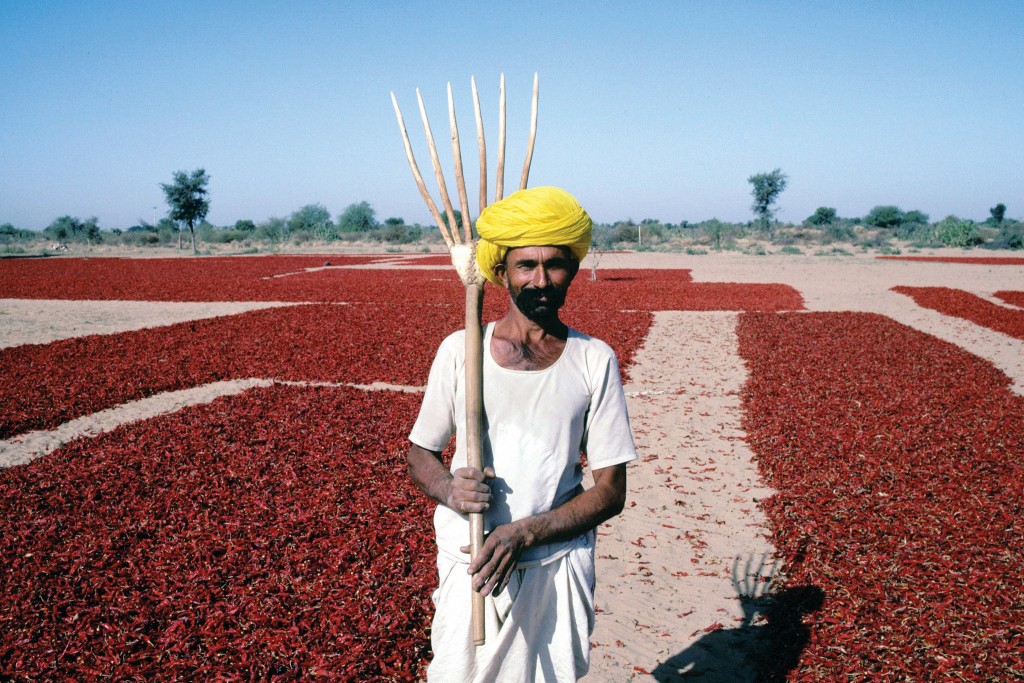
point(468, 490)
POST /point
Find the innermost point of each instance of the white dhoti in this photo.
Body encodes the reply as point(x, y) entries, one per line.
point(538, 628)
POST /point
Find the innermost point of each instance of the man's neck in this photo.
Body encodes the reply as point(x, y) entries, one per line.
point(520, 343)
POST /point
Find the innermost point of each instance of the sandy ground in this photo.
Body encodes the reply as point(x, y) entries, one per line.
point(672, 567)
point(40, 321)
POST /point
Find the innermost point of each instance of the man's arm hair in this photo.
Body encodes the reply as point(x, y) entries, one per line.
point(493, 565)
point(602, 501)
point(429, 473)
point(464, 490)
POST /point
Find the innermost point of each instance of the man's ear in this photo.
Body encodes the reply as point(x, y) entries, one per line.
point(501, 272)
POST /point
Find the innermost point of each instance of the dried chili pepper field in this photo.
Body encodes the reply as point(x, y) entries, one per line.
point(202, 467)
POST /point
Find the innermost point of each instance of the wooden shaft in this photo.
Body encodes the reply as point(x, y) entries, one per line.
point(474, 430)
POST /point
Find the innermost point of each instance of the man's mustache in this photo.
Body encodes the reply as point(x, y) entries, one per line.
point(532, 295)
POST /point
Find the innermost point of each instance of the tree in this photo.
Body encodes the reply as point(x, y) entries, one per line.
point(274, 230)
point(998, 213)
point(766, 190)
point(187, 197)
point(823, 215)
point(915, 216)
point(71, 228)
point(886, 216)
point(314, 220)
point(357, 218)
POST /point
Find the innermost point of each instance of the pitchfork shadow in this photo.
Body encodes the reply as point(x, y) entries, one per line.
point(766, 645)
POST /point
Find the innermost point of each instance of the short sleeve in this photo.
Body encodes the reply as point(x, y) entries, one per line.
point(435, 423)
point(607, 439)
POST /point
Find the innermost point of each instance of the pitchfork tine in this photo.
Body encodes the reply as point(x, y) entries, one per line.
point(533, 135)
point(499, 183)
point(460, 179)
point(416, 174)
point(480, 144)
point(438, 173)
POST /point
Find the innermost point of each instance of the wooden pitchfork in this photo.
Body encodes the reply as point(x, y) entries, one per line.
point(462, 248)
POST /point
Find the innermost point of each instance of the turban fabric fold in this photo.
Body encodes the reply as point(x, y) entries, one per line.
point(539, 216)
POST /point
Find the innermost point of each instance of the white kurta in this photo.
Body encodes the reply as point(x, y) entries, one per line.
point(537, 424)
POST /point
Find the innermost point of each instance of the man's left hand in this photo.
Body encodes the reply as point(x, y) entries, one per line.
point(493, 566)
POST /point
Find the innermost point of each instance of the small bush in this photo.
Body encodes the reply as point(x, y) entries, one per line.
point(839, 232)
point(957, 232)
point(140, 239)
point(223, 236)
point(790, 249)
point(300, 237)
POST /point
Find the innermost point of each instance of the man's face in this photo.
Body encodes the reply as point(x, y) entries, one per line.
point(537, 279)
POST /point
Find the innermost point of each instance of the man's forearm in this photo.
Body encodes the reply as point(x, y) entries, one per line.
point(599, 503)
point(492, 566)
point(429, 473)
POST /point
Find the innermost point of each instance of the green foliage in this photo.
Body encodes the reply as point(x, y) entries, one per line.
point(914, 216)
point(245, 225)
point(357, 218)
point(9, 234)
point(957, 232)
point(273, 230)
point(187, 197)
point(1011, 236)
point(314, 220)
point(213, 234)
point(624, 231)
point(823, 215)
point(790, 249)
point(886, 216)
point(766, 190)
point(140, 238)
point(717, 233)
point(69, 228)
point(397, 232)
point(998, 213)
point(650, 232)
point(839, 232)
point(834, 251)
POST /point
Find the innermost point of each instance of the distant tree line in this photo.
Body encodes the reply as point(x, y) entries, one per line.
point(188, 202)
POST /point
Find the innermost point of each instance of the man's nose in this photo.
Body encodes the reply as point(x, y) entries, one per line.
point(540, 278)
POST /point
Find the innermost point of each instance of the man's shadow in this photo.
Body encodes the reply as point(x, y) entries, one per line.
point(766, 645)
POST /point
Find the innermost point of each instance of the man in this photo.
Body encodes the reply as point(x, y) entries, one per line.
point(550, 393)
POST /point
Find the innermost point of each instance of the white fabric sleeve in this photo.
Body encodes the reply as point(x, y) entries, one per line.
point(436, 421)
point(608, 440)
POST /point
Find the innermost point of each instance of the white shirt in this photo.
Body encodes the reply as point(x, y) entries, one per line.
point(537, 423)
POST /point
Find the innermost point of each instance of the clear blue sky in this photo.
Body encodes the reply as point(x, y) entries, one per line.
point(659, 110)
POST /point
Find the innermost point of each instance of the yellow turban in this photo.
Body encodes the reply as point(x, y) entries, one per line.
point(539, 216)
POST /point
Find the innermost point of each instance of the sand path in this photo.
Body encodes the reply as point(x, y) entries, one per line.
point(666, 565)
point(41, 321)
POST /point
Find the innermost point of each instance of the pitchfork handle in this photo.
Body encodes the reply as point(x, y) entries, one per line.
point(474, 430)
